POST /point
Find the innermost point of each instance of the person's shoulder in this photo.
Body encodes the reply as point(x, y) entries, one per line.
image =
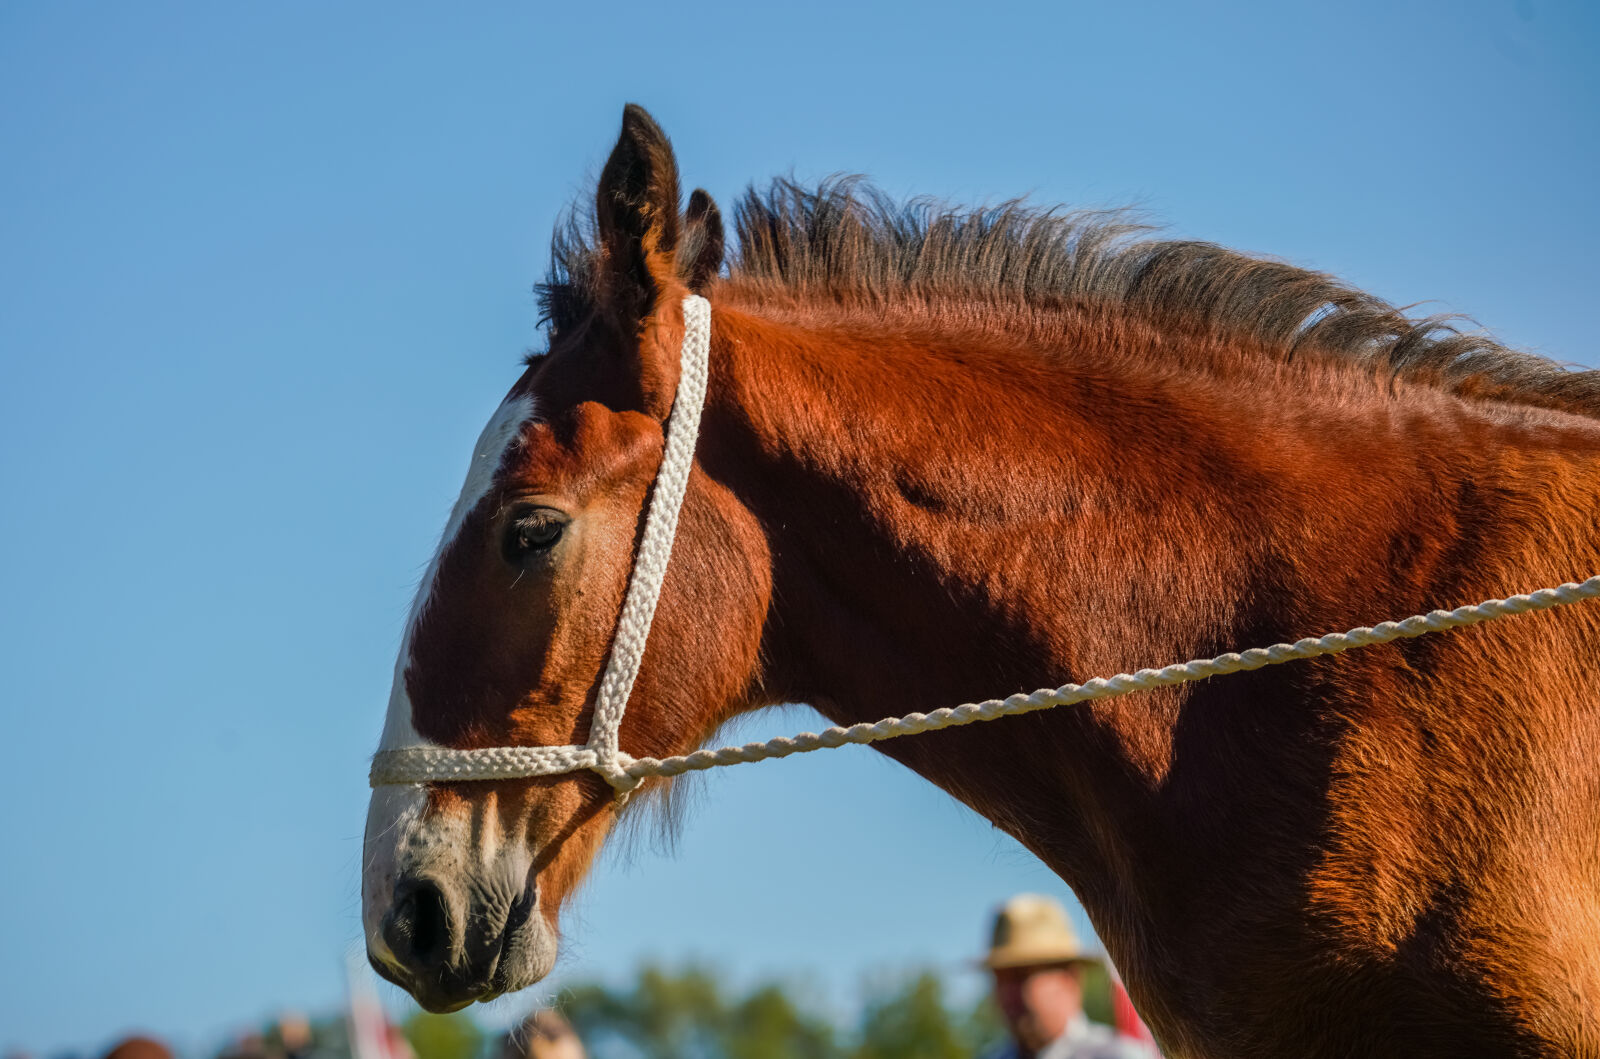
point(1003, 1050)
point(1103, 1042)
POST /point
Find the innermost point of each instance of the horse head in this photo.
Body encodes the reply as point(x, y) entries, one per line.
point(463, 882)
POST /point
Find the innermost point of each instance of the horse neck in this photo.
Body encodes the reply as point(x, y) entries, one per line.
point(934, 518)
point(953, 519)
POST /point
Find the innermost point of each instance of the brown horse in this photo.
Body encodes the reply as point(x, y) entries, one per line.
point(947, 456)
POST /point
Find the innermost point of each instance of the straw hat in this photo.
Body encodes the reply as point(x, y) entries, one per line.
point(1031, 929)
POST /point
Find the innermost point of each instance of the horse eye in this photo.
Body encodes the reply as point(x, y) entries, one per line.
point(532, 534)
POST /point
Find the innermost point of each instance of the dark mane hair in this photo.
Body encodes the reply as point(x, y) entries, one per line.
point(847, 242)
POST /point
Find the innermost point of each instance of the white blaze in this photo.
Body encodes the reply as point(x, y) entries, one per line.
point(504, 427)
point(394, 817)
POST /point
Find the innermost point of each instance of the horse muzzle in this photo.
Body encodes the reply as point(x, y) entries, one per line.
point(447, 954)
point(448, 921)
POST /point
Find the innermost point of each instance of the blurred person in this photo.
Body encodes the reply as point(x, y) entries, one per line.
point(251, 1045)
point(294, 1034)
point(542, 1035)
point(1037, 964)
point(139, 1047)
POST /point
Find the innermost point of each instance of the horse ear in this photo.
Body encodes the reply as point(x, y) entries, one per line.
point(702, 240)
point(636, 214)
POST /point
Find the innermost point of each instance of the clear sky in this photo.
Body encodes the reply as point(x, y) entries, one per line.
point(265, 271)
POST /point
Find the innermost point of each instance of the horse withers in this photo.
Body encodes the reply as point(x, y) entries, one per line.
point(948, 455)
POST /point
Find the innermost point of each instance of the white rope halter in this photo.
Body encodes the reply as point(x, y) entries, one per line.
point(425, 764)
point(428, 764)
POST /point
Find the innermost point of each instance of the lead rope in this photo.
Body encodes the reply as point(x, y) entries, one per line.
point(429, 764)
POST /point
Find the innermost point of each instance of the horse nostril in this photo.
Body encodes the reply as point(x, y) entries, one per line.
point(418, 927)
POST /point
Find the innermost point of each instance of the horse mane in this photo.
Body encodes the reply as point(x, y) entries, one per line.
point(845, 243)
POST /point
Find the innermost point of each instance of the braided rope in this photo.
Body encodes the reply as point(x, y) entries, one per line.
point(416, 766)
point(1121, 684)
point(655, 547)
point(624, 773)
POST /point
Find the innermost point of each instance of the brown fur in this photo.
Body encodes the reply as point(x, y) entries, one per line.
point(950, 458)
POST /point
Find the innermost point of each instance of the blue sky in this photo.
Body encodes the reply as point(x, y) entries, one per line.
point(267, 271)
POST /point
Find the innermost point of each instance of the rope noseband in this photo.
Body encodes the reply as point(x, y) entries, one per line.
point(430, 764)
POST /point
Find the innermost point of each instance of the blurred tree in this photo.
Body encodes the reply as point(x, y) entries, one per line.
point(330, 1037)
point(665, 1015)
point(443, 1036)
point(1097, 994)
point(688, 1014)
point(910, 1023)
point(768, 1025)
point(982, 1027)
point(679, 1014)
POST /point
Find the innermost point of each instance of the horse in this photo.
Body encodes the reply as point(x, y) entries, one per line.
point(947, 454)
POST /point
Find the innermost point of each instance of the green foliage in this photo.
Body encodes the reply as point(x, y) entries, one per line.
point(910, 1023)
point(664, 1015)
point(767, 1025)
point(443, 1036)
point(1097, 993)
point(688, 1015)
point(983, 1027)
point(676, 1011)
